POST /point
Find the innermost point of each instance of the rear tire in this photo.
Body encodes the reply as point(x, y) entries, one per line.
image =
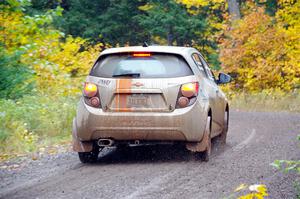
point(89, 157)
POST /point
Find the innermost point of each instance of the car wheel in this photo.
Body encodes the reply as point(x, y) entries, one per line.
point(206, 154)
point(223, 135)
point(89, 157)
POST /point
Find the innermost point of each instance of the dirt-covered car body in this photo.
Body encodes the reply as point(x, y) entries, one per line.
point(159, 93)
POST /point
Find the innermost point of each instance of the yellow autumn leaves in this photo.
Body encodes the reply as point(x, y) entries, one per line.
point(53, 57)
point(264, 51)
point(255, 191)
point(58, 66)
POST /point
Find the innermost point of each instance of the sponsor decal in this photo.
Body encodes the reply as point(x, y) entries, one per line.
point(104, 82)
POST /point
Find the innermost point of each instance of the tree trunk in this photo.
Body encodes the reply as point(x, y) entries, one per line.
point(234, 9)
point(170, 37)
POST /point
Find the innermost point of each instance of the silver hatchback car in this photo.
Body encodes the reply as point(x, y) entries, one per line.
point(150, 95)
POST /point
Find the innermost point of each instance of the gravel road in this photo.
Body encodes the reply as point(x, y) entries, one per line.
point(255, 140)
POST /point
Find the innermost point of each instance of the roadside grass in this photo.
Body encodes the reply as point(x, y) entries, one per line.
point(266, 101)
point(34, 122)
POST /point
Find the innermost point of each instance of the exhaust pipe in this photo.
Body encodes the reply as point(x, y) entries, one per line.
point(136, 142)
point(105, 142)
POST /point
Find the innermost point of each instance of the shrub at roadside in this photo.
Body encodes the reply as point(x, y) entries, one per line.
point(265, 100)
point(264, 51)
point(15, 77)
point(53, 58)
point(26, 123)
point(41, 79)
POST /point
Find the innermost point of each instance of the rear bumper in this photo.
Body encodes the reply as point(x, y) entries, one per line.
point(187, 124)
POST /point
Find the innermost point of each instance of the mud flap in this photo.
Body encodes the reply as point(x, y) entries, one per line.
point(202, 145)
point(79, 146)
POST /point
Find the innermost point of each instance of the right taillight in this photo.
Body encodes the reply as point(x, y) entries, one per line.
point(91, 95)
point(187, 94)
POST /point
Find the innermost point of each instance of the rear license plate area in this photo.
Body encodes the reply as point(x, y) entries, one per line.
point(137, 101)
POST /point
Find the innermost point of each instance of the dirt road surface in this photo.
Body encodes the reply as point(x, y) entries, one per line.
point(255, 140)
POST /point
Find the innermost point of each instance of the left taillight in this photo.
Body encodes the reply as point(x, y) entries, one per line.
point(187, 95)
point(91, 95)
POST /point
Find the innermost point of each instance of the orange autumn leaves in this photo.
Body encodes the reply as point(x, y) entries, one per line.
point(264, 51)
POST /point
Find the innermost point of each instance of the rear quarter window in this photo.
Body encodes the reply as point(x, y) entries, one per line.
point(154, 66)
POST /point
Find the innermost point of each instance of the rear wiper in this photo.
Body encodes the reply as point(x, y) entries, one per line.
point(128, 75)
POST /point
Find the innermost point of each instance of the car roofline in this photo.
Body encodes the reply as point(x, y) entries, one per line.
point(155, 49)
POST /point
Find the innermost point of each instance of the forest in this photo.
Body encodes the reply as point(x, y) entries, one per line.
point(48, 46)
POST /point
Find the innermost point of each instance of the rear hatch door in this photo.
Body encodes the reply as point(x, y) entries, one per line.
point(148, 83)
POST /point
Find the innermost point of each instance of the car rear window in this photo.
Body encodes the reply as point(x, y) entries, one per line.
point(154, 66)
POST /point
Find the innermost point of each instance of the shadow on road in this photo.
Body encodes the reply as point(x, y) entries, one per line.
point(153, 154)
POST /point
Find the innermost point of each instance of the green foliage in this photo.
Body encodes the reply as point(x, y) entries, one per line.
point(27, 121)
point(171, 21)
point(287, 165)
point(37, 87)
point(53, 61)
point(22, 39)
point(112, 22)
point(214, 15)
point(119, 23)
point(131, 22)
point(16, 79)
point(271, 7)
